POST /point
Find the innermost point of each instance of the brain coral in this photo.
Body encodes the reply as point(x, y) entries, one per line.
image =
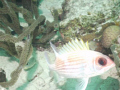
point(110, 34)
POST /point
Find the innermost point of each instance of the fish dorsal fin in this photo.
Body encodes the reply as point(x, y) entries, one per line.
point(74, 45)
point(82, 84)
point(57, 52)
point(54, 49)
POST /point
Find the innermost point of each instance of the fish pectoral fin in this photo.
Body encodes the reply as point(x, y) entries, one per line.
point(61, 81)
point(89, 81)
point(82, 84)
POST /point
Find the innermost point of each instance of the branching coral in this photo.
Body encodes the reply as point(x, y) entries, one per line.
point(26, 53)
point(9, 22)
point(9, 17)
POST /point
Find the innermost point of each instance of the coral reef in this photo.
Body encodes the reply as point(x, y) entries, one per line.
point(12, 32)
point(88, 22)
point(40, 31)
point(75, 28)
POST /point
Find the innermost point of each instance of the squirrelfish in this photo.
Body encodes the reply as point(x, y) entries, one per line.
point(76, 60)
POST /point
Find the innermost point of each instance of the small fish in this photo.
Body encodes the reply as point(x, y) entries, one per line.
point(76, 60)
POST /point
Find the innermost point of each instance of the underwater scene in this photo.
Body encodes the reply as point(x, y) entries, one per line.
point(59, 44)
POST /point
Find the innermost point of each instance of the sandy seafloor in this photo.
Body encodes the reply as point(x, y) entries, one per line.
point(38, 83)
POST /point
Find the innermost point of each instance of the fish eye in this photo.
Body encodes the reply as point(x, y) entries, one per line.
point(102, 61)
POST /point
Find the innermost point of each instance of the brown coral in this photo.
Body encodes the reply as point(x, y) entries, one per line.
point(110, 34)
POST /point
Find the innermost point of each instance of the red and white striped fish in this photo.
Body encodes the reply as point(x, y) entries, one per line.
point(75, 60)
